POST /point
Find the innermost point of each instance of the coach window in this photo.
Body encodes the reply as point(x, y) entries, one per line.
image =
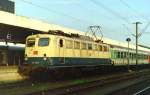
point(90, 46)
point(143, 56)
point(43, 42)
point(146, 57)
point(130, 55)
point(139, 56)
point(121, 54)
point(115, 54)
point(134, 56)
point(118, 54)
point(61, 43)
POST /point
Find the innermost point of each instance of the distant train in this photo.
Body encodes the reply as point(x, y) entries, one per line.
point(57, 49)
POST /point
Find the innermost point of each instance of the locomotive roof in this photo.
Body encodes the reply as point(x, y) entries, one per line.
point(110, 42)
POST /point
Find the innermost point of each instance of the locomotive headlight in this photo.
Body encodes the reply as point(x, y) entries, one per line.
point(26, 58)
point(44, 58)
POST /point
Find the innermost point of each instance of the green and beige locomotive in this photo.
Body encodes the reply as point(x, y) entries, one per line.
point(48, 50)
point(57, 49)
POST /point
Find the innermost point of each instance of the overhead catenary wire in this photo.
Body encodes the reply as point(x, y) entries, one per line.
point(137, 13)
point(93, 11)
point(127, 28)
point(81, 20)
point(146, 27)
point(98, 3)
point(56, 12)
point(133, 10)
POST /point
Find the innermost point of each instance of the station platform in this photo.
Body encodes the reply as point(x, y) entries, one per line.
point(9, 74)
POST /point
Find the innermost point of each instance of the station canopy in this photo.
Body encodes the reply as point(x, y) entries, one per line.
point(14, 28)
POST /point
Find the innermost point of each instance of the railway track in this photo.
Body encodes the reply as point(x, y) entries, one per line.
point(67, 90)
point(16, 84)
point(29, 87)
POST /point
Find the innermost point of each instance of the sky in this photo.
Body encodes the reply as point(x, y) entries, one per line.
point(115, 17)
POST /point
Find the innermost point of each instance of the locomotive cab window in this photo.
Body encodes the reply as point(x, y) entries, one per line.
point(43, 42)
point(30, 42)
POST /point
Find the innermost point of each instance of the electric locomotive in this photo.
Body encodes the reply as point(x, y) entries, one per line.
point(57, 49)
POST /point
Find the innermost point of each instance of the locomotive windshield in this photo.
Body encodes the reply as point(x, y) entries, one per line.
point(43, 42)
point(30, 42)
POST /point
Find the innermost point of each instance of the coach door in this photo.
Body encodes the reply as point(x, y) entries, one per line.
point(61, 51)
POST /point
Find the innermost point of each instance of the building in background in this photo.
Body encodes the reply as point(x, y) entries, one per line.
point(9, 55)
point(7, 5)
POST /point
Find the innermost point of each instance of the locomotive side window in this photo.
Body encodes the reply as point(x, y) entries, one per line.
point(100, 48)
point(43, 42)
point(90, 46)
point(69, 44)
point(83, 45)
point(61, 43)
point(76, 45)
point(95, 47)
point(30, 42)
point(105, 48)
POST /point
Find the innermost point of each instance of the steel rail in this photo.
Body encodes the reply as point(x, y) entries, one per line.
point(91, 84)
